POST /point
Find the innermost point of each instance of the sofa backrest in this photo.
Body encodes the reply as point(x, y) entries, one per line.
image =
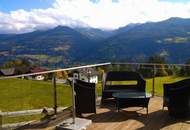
point(124, 76)
point(176, 85)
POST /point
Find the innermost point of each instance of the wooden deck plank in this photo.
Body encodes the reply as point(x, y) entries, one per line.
point(130, 119)
point(185, 125)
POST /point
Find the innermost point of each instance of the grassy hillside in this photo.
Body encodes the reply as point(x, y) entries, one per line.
point(21, 94)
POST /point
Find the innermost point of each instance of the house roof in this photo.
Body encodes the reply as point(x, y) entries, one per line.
point(38, 69)
point(8, 72)
point(14, 70)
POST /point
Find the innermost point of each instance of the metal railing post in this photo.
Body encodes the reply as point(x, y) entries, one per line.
point(1, 122)
point(73, 100)
point(55, 94)
point(153, 80)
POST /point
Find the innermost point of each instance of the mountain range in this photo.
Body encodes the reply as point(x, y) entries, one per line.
point(62, 46)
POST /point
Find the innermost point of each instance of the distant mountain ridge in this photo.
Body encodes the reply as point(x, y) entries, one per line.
point(171, 36)
point(96, 34)
point(64, 42)
point(63, 45)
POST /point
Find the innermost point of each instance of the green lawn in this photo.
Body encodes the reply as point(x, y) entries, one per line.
point(159, 81)
point(21, 94)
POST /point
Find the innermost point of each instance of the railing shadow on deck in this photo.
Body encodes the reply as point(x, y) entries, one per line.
point(158, 118)
point(154, 121)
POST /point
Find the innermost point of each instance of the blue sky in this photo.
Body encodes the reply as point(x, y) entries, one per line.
point(11, 5)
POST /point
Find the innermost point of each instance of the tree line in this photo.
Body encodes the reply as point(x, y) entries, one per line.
point(161, 67)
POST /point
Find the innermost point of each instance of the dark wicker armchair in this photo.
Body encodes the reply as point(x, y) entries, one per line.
point(108, 88)
point(176, 98)
point(85, 98)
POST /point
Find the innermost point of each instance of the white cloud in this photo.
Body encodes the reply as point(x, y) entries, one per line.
point(103, 14)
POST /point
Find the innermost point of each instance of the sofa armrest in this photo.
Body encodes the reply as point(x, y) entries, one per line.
point(165, 89)
point(141, 85)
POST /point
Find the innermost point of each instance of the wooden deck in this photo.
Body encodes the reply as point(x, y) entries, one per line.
point(108, 118)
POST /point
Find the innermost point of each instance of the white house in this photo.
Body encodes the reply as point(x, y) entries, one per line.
point(39, 77)
point(87, 75)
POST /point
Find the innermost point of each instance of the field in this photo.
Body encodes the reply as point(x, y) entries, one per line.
point(21, 94)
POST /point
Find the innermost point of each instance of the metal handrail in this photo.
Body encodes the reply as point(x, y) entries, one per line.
point(57, 70)
point(88, 66)
point(153, 64)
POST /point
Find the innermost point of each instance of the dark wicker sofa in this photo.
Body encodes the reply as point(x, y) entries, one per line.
point(108, 88)
point(177, 98)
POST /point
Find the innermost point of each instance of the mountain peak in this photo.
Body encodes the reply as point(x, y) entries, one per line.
point(176, 19)
point(62, 28)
